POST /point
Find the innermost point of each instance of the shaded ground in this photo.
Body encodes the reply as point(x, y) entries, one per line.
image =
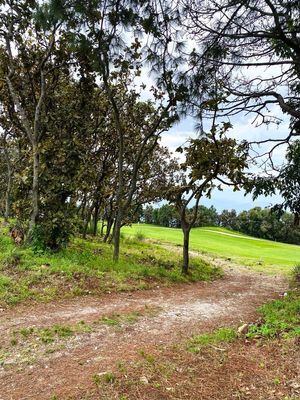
point(64, 367)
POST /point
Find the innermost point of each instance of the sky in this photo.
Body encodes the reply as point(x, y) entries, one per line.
point(242, 129)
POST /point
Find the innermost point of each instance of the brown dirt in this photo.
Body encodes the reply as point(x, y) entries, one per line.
point(65, 368)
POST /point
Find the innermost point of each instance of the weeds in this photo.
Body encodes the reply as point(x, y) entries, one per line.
point(50, 334)
point(296, 276)
point(279, 318)
point(220, 336)
point(139, 236)
point(129, 318)
point(79, 270)
point(106, 377)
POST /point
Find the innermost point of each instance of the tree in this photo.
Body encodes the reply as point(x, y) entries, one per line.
point(117, 62)
point(208, 159)
point(31, 42)
point(9, 158)
point(206, 216)
point(286, 183)
point(254, 47)
point(228, 219)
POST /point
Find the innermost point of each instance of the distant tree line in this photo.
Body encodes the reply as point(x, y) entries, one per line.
point(260, 222)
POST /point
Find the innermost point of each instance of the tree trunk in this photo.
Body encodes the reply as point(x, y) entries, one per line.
point(186, 241)
point(110, 222)
point(102, 226)
point(7, 195)
point(81, 208)
point(96, 218)
point(8, 188)
point(86, 222)
point(35, 187)
point(117, 232)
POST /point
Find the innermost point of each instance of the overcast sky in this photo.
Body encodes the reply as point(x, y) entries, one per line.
point(242, 129)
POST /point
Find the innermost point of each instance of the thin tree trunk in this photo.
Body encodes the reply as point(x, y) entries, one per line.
point(86, 222)
point(7, 195)
point(117, 232)
point(8, 188)
point(81, 209)
point(110, 222)
point(102, 227)
point(96, 218)
point(186, 241)
point(35, 187)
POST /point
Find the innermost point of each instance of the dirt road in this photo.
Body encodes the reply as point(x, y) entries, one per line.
point(119, 326)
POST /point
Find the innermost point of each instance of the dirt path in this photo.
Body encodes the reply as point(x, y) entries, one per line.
point(231, 234)
point(65, 367)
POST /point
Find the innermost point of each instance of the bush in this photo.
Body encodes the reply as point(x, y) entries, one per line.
point(52, 234)
point(139, 236)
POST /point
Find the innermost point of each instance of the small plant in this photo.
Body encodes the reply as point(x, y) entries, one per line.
point(113, 320)
point(276, 381)
point(36, 240)
point(97, 380)
point(222, 335)
point(105, 377)
point(296, 275)
point(121, 367)
point(25, 332)
point(148, 357)
point(13, 342)
point(109, 377)
point(5, 281)
point(139, 236)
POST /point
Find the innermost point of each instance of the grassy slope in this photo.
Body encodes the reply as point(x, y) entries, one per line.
point(246, 251)
point(86, 267)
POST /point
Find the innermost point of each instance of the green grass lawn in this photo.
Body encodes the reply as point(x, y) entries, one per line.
point(261, 254)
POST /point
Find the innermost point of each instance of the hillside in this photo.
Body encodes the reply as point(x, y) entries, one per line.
point(243, 249)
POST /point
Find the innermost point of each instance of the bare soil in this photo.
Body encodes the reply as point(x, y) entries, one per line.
point(68, 367)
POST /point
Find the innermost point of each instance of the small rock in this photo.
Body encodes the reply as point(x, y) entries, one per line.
point(294, 385)
point(243, 329)
point(144, 380)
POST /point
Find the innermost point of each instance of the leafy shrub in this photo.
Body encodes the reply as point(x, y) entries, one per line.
point(52, 234)
point(36, 239)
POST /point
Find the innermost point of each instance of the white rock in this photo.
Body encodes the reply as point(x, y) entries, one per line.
point(144, 380)
point(243, 329)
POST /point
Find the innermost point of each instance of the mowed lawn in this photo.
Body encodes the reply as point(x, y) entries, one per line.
point(260, 254)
